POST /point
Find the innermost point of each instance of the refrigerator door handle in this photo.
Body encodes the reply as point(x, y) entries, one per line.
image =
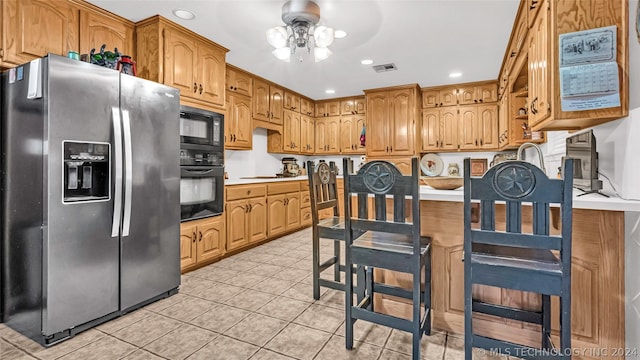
point(128, 175)
point(117, 198)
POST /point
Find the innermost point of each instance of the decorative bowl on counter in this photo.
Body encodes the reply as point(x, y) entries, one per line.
point(442, 182)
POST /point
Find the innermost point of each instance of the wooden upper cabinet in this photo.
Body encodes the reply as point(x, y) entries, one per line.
point(448, 97)
point(276, 104)
point(488, 126)
point(321, 136)
point(378, 124)
point(539, 79)
point(346, 134)
point(467, 95)
point(307, 134)
point(477, 94)
point(97, 28)
point(291, 131)
point(449, 129)
point(328, 108)
point(291, 101)
point(306, 107)
point(238, 123)
point(401, 117)
point(211, 74)
point(333, 134)
point(468, 127)
point(173, 55)
point(239, 81)
point(352, 106)
point(260, 100)
point(430, 98)
point(430, 130)
point(180, 63)
point(34, 28)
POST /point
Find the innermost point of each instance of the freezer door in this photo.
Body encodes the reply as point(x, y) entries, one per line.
point(80, 255)
point(150, 256)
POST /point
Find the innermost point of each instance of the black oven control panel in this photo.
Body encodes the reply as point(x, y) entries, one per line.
point(200, 157)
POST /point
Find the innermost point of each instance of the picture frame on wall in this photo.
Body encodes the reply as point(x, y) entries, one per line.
point(478, 167)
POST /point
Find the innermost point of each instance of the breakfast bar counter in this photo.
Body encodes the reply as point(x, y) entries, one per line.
point(597, 274)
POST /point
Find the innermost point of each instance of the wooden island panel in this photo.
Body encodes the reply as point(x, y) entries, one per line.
point(597, 281)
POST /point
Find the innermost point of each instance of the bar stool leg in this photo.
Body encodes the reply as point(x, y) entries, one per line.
point(546, 321)
point(316, 265)
point(416, 331)
point(427, 294)
point(565, 324)
point(468, 311)
point(336, 254)
point(348, 300)
point(369, 281)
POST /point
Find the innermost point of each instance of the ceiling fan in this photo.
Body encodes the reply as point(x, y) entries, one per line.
point(301, 30)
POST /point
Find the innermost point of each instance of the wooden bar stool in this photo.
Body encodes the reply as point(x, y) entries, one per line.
point(515, 260)
point(386, 244)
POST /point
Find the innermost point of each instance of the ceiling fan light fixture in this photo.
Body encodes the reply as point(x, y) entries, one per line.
point(320, 54)
point(339, 34)
point(283, 53)
point(301, 30)
point(277, 37)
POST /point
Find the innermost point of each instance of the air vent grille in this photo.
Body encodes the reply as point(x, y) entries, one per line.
point(384, 67)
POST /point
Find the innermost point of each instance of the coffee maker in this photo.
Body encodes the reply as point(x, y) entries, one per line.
point(290, 167)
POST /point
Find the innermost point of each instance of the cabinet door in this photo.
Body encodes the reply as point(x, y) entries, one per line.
point(401, 120)
point(34, 28)
point(293, 210)
point(276, 105)
point(347, 107)
point(468, 127)
point(321, 110)
point(239, 82)
point(488, 126)
point(430, 98)
point(333, 134)
point(448, 97)
point(211, 72)
point(430, 130)
point(291, 101)
point(503, 118)
point(257, 219)
point(305, 216)
point(467, 95)
point(487, 93)
point(229, 122)
point(322, 146)
point(307, 134)
point(360, 106)
point(346, 134)
point(188, 246)
point(211, 238)
point(277, 213)
point(97, 29)
point(236, 224)
point(377, 124)
point(306, 107)
point(333, 108)
point(260, 100)
point(539, 94)
point(291, 131)
point(241, 117)
point(180, 63)
point(449, 129)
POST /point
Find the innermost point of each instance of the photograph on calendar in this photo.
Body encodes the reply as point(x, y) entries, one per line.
point(588, 46)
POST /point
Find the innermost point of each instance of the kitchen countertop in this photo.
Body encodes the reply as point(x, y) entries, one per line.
point(590, 201)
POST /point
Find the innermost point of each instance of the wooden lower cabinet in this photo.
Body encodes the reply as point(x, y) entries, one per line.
point(305, 204)
point(246, 212)
point(284, 213)
point(597, 317)
point(201, 241)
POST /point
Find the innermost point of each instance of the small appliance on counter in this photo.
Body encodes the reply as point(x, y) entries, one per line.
point(290, 167)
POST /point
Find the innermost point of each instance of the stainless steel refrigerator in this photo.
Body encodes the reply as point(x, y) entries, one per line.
point(90, 196)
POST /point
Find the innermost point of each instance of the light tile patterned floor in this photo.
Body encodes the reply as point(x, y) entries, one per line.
point(255, 305)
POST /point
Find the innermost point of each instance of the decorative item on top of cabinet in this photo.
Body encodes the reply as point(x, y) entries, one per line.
point(354, 106)
point(268, 104)
point(100, 27)
point(173, 55)
point(238, 124)
point(327, 108)
point(391, 120)
point(201, 241)
point(34, 28)
point(306, 106)
point(291, 101)
point(246, 211)
point(239, 81)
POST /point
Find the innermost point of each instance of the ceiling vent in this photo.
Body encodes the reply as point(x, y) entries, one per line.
point(384, 67)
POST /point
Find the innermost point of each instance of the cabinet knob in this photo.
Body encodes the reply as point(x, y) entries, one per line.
point(194, 236)
point(200, 89)
point(475, 100)
point(480, 100)
point(231, 87)
point(481, 142)
point(200, 239)
point(195, 87)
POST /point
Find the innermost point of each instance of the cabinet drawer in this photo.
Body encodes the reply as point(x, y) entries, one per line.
point(305, 216)
point(283, 187)
point(305, 198)
point(245, 191)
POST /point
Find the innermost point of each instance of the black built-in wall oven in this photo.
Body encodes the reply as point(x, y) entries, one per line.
point(201, 163)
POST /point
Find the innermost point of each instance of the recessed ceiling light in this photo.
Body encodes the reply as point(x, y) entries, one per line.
point(455, 74)
point(330, 91)
point(184, 14)
point(339, 34)
point(366, 62)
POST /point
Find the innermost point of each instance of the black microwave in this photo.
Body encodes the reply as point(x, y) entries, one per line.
point(201, 127)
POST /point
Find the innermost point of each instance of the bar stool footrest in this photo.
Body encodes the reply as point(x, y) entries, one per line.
point(533, 317)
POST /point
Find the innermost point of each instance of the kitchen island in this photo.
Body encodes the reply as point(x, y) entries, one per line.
point(598, 296)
